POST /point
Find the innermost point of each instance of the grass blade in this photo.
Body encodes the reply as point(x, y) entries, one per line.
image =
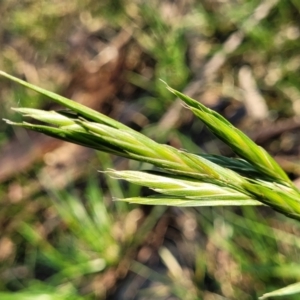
point(236, 139)
point(288, 290)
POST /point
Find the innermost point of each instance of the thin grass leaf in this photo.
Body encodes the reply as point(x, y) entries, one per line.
point(288, 290)
point(238, 165)
point(82, 110)
point(168, 184)
point(236, 139)
point(182, 202)
point(181, 192)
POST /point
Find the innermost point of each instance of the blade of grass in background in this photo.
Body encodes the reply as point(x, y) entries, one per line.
point(286, 291)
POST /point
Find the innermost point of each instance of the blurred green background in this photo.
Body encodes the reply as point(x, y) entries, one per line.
point(62, 236)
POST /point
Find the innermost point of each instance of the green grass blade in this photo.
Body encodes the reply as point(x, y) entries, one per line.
point(288, 290)
point(237, 165)
point(130, 144)
point(82, 110)
point(185, 189)
point(241, 144)
point(184, 202)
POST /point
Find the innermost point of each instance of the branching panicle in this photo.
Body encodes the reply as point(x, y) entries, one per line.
point(186, 179)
